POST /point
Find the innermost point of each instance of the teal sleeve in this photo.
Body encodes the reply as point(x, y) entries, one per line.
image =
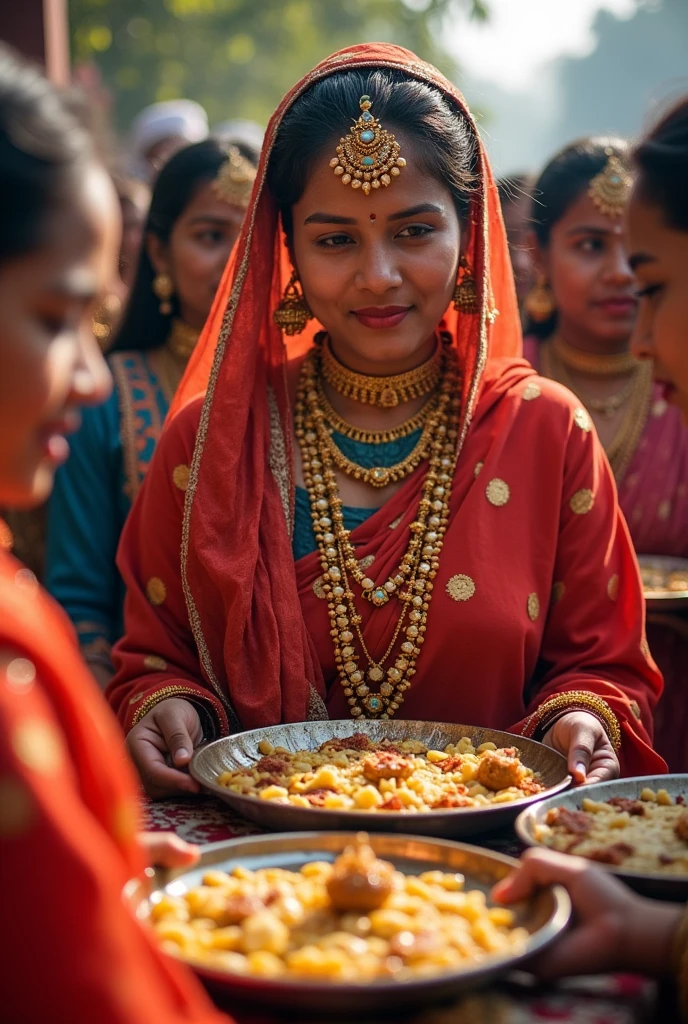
point(85, 518)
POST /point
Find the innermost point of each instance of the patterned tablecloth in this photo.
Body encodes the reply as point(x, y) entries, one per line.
point(618, 999)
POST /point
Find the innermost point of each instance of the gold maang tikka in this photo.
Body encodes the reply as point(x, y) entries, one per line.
point(610, 189)
point(234, 181)
point(369, 156)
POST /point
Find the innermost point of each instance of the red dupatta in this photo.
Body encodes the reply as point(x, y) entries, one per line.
point(237, 566)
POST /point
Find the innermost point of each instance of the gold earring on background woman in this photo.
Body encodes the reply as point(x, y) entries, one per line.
point(163, 289)
point(539, 302)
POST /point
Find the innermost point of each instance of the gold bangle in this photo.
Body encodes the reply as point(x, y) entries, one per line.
point(576, 700)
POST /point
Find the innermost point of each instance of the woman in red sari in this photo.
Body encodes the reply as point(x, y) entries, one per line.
point(73, 952)
point(501, 588)
point(586, 294)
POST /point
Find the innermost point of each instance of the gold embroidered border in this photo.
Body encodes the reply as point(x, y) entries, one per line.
point(277, 460)
point(417, 70)
point(127, 424)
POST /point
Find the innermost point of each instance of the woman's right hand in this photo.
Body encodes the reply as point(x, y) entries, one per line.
point(168, 733)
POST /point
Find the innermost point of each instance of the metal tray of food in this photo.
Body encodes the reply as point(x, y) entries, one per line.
point(665, 582)
point(544, 916)
point(241, 750)
point(664, 886)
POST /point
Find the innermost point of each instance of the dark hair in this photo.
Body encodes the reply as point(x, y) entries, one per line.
point(662, 160)
point(444, 140)
point(43, 150)
point(564, 179)
point(143, 326)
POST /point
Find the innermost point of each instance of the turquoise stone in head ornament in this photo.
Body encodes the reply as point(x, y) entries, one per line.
point(368, 157)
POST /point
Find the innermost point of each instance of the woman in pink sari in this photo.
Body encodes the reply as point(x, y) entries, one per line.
point(581, 313)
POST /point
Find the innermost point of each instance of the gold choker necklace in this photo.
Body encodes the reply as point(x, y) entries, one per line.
point(386, 392)
point(616, 364)
point(182, 339)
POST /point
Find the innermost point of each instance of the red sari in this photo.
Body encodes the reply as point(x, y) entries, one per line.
point(237, 626)
point(74, 953)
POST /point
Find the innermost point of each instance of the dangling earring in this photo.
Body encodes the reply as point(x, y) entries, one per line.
point(163, 289)
point(539, 302)
point(292, 314)
point(465, 293)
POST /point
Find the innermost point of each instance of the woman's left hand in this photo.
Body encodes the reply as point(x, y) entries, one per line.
point(581, 738)
point(167, 850)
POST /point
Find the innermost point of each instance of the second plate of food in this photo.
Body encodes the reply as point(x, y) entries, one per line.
point(428, 778)
point(636, 828)
point(344, 923)
point(665, 582)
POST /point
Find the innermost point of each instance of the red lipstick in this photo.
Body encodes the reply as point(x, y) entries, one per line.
point(381, 317)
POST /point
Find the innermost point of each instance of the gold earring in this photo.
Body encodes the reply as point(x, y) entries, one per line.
point(539, 302)
point(465, 293)
point(292, 314)
point(163, 289)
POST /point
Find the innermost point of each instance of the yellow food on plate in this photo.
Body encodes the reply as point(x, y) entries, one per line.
point(648, 834)
point(357, 920)
point(658, 579)
point(356, 774)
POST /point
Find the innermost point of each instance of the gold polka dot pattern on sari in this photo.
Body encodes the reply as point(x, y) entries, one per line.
point(582, 501)
point(531, 391)
point(133, 700)
point(635, 709)
point(180, 477)
point(17, 808)
point(497, 492)
point(664, 510)
point(533, 606)
point(613, 587)
point(461, 587)
point(582, 420)
point(478, 468)
point(155, 663)
point(38, 745)
point(365, 563)
point(156, 590)
point(319, 588)
point(558, 591)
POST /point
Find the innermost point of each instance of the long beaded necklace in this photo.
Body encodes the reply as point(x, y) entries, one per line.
point(412, 583)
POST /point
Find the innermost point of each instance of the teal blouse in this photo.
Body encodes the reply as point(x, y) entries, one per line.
point(92, 496)
point(366, 455)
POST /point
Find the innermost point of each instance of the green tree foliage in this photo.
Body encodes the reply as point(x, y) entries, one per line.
point(237, 57)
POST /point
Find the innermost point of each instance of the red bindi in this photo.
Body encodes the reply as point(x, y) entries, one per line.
point(373, 218)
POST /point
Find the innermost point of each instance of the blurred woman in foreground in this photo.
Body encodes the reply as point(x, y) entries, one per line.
point(68, 800)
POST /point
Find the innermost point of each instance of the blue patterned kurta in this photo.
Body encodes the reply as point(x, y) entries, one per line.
point(93, 494)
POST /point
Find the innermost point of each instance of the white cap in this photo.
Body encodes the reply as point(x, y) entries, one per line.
point(240, 130)
point(185, 119)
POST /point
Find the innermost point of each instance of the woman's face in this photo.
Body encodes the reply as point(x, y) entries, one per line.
point(378, 271)
point(586, 265)
point(659, 257)
point(197, 252)
point(50, 363)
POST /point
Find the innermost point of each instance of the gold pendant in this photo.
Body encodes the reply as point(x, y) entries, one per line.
point(375, 674)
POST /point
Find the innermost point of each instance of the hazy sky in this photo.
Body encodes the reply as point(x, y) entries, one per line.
point(522, 35)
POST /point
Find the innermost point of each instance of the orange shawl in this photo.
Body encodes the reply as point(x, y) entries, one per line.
point(233, 625)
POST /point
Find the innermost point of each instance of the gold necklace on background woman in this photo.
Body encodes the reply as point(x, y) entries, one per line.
point(629, 404)
point(345, 584)
point(169, 361)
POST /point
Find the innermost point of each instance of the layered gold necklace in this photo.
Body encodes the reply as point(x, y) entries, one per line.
point(558, 358)
point(342, 576)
